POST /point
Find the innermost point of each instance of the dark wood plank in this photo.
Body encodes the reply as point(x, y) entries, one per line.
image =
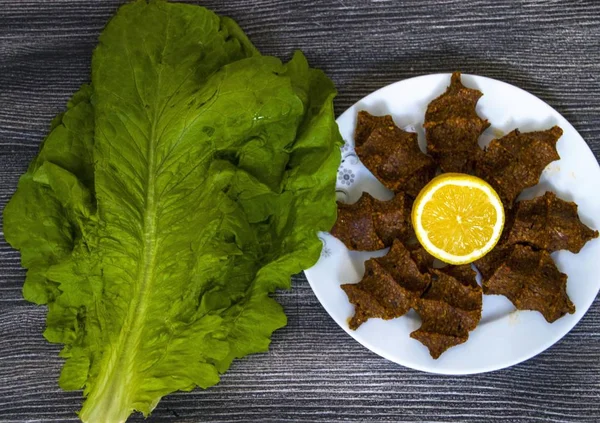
point(314, 371)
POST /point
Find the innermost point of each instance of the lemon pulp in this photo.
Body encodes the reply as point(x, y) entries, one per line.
point(458, 218)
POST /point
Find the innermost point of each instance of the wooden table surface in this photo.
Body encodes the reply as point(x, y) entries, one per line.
point(314, 370)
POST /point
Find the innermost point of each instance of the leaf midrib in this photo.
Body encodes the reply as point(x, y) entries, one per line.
point(113, 392)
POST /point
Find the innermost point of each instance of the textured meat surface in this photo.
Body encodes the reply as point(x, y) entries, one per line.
point(531, 281)
point(449, 310)
point(516, 161)
point(391, 285)
point(371, 224)
point(452, 127)
point(394, 157)
point(366, 123)
point(549, 223)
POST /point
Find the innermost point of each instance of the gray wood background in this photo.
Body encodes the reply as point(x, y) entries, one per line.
point(314, 371)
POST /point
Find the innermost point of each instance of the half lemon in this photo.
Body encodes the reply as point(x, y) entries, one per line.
point(458, 218)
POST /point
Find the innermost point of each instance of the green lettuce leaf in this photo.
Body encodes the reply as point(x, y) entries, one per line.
point(177, 191)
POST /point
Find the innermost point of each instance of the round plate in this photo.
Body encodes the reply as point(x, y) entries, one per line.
point(504, 336)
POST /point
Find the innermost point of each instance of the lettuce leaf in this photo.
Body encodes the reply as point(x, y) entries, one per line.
point(177, 191)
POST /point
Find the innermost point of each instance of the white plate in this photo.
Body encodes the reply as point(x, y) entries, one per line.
point(504, 336)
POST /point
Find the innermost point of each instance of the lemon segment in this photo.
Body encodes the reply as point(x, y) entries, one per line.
point(458, 218)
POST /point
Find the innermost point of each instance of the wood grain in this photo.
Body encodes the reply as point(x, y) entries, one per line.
point(314, 370)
